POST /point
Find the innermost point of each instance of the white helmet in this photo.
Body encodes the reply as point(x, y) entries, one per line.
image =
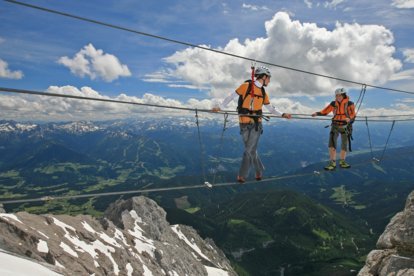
point(261, 70)
point(339, 91)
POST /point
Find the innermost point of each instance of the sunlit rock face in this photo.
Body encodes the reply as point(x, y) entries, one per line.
point(395, 247)
point(133, 238)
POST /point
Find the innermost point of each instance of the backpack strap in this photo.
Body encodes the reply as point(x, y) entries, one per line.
point(242, 98)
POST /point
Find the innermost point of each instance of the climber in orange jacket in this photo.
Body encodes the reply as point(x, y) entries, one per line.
point(344, 115)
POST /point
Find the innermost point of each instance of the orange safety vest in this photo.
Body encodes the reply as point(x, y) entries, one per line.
point(341, 110)
point(255, 106)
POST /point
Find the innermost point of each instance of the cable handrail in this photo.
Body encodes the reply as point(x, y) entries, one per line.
point(298, 116)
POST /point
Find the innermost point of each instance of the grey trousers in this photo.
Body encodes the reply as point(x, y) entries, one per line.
point(250, 157)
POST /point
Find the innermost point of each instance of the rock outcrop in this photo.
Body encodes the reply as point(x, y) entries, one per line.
point(133, 238)
point(395, 247)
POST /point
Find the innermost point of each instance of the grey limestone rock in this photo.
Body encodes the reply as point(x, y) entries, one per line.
point(133, 238)
point(395, 247)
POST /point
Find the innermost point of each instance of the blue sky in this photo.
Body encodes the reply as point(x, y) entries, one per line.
point(355, 40)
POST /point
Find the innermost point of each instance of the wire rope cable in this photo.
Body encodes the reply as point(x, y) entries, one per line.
point(202, 151)
point(201, 47)
point(386, 143)
point(226, 115)
point(230, 112)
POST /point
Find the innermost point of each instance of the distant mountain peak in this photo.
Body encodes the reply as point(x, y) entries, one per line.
point(10, 126)
point(79, 127)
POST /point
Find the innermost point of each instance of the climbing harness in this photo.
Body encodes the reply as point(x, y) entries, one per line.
point(347, 127)
point(255, 115)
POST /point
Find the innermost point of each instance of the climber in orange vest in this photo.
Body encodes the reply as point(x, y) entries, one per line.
point(344, 115)
point(252, 97)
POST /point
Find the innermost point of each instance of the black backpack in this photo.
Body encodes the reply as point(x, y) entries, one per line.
point(240, 109)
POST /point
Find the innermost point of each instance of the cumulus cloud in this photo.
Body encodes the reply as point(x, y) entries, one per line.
point(333, 4)
point(95, 64)
point(254, 7)
point(29, 107)
point(409, 55)
point(403, 4)
point(8, 74)
point(362, 53)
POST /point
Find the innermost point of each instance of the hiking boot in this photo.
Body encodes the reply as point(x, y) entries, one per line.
point(331, 166)
point(259, 176)
point(343, 164)
point(241, 179)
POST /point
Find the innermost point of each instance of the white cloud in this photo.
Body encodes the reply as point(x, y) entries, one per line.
point(395, 109)
point(187, 86)
point(403, 75)
point(403, 4)
point(409, 55)
point(254, 7)
point(333, 4)
point(6, 73)
point(362, 53)
point(95, 64)
point(308, 4)
point(30, 107)
point(407, 100)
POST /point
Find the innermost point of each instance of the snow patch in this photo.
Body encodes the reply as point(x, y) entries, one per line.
point(42, 246)
point(147, 272)
point(142, 244)
point(63, 225)
point(120, 236)
point(13, 265)
point(59, 264)
point(212, 271)
point(68, 249)
point(11, 216)
point(135, 216)
point(109, 240)
point(25, 127)
point(88, 227)
point(129, 269)
point(194, 246)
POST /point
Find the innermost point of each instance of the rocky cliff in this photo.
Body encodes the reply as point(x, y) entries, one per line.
point(133, 238)
point(395, 247)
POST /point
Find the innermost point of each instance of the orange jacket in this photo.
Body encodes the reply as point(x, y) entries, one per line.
point(258, 100)
point(341, 110)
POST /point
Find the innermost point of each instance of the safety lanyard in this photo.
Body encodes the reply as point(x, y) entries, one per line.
point(252, 90)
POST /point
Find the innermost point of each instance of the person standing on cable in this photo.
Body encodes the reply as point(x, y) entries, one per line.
point(344, 115)
point(252, 96)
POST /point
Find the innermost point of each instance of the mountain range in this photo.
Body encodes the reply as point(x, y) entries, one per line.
point(298, 220)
